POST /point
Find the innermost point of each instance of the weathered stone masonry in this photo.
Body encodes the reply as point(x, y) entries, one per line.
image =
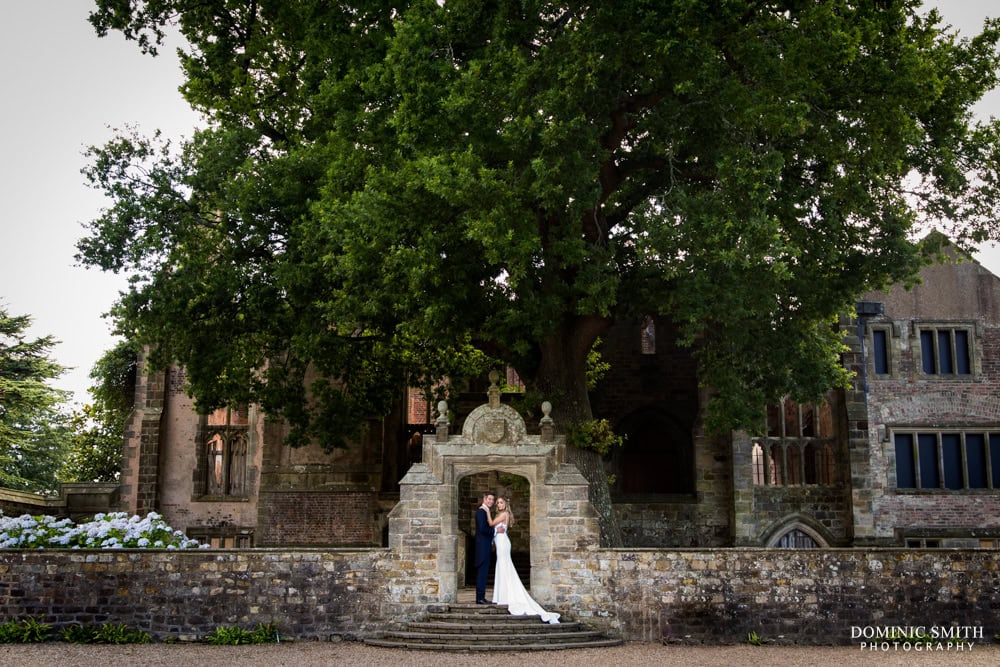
point(807, 596)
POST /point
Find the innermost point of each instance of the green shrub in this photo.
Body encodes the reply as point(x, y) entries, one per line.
point(111, 633)
point(28, 631)
point(10, 632)
point(229, 635)
point(755, 639)
point(265, 633)
point(108, 633)
point(79, 634)
point(595, 434)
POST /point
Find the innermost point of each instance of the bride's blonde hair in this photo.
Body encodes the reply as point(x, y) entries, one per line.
point(508, 510)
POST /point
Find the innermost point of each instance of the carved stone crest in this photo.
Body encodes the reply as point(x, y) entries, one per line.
point(493, 429)
point(493, 423)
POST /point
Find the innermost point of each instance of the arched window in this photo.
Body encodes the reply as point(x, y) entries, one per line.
point(647, 336)
point(226, 452)
point(237, 465)
point(777, 461)
point(797, 539)
point(759, 463)
point(216, 465)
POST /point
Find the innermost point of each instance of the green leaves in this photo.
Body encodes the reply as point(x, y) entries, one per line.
point(33, 430)
point(382, 184)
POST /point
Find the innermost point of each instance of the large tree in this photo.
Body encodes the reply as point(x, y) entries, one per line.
point(95, 448)
point(382, 182)
point(33, 429)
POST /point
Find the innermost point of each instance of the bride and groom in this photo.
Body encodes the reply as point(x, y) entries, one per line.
point(507, 586)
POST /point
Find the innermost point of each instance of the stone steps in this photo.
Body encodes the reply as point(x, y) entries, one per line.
point(469, 627)
point(499, 627)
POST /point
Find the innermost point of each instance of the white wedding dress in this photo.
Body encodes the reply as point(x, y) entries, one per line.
point(507, 586)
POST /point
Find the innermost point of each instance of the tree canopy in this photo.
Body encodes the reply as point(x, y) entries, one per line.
point(33, 432)
point(98, 428)
point(381, 183)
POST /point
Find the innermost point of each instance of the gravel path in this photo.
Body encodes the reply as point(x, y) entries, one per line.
point(310, 654)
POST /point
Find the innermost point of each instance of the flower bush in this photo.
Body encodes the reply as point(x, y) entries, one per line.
point(116, 530)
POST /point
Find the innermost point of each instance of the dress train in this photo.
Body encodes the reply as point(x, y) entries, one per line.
point(507, 586)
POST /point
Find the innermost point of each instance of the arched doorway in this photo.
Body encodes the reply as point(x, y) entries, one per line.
point(426, 526)
point(470, 493)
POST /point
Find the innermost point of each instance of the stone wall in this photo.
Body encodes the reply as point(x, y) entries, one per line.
point(802, 596)
point(187, 594)
point(16, 503)
point(680, 524)
point(716, 596)
point(75, 500)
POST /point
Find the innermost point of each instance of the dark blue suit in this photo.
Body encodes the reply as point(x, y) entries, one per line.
point(484, 542)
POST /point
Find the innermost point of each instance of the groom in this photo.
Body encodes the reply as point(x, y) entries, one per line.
point(484, 542)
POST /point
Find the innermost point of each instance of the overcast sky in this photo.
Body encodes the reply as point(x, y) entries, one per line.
point(63, 88)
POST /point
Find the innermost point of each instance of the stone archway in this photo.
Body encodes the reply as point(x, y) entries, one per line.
point(423, 527)
point(470, 491)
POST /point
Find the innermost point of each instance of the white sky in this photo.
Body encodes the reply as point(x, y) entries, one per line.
point(62, 89)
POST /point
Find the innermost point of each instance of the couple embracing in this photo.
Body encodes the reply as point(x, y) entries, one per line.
point(507, 586)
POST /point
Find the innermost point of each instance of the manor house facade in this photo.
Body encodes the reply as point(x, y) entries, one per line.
point(909, 456)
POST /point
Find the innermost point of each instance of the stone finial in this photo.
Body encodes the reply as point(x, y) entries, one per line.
point(546, 424)
point(494, 391)
point(442, 422)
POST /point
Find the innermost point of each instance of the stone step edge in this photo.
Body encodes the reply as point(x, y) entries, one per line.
point(485, 618)
point(496, 628)
point(511, 648)
point(558, 636)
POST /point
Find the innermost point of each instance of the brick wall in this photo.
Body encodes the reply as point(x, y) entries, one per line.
point(805, 596)
point(340, 517)
point(962, 294)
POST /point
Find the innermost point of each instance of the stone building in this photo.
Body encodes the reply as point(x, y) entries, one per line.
point(910, 456)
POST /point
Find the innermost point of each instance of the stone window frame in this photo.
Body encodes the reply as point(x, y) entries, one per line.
point(974, 332)
point(922, 543)
point(891, 330)
point(991, 459)
point(236, 441)
point(794, 526)
point(782, 459)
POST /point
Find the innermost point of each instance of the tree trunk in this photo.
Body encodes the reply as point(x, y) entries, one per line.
point(562, 380)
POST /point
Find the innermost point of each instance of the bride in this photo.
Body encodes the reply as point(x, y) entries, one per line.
point(507, 586)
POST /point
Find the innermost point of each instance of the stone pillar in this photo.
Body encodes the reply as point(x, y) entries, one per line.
point(856, 469)
point(427, 557)
point(140, 456)
point(743, 526)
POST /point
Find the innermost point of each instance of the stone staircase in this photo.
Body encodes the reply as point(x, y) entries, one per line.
point(472, 627)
